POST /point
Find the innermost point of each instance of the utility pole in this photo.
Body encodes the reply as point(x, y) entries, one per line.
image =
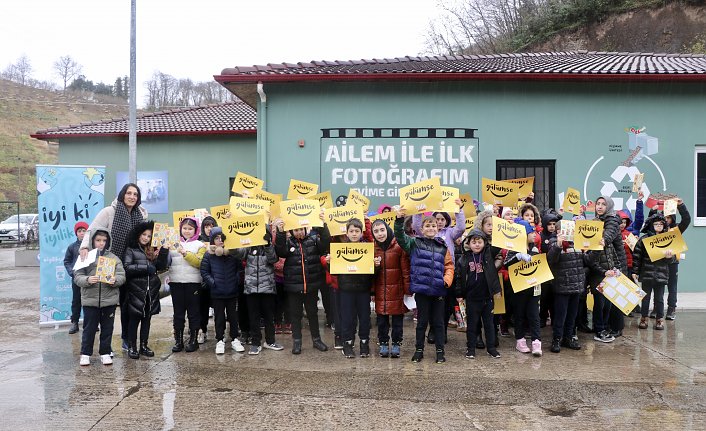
point(132, 135)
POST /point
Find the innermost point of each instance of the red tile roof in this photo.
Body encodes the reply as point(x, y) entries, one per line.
point(224, 118)
point(578, 65)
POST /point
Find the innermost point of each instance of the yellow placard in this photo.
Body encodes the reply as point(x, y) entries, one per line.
point(324, 198)
point(588, 234)
point(246, 231)
point(300, 213)
point(670, 207)
point(524, 275)
point(499, 299)
point(352, 258)
point(336, 218)
point(499, 192)
point(105, 269)
point(589, 301)
point(178, 216)
point(246, 183)
point(301, 189)
point(422, 196)
point(657, 245)
point(220, 213)
point(272, 198)
point(469, 209)
point(357, 198)
point(508, 235)
point(631, 241)
point(470, 221)
point(243, 207)
point(572, 201)
point(622, 292)
point(448, 199)
point(388, 217)
point(525, 186)
point(637, 181)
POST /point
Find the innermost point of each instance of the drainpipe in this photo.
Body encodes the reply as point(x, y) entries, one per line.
point(262, 133)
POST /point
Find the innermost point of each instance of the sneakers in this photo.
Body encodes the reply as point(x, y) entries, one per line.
point(440, 359)
point(74, 327)
point(348, 349)
point(254, 350)
point(616, 334)
point(494, 354)
point(287, 329)
point(278, 329)
point(296, 346)
point(106, 359)
point(201, 337)
point(273, 346)
point(643, 323)
point(572, 343)
point(384, 350)
point(521, 346)
point(237, 345)
point(659, 324)
point(395, 350)
point(126, 345)
point(556, 345)
point(337, 342)
point(470, 353)
point(220, 347)
point(671, 315)
point(418, 355)
point(84, 360)
point(319, 345)
point(364, 348)
point(210, 312)
point(604, 337)
point(537, 348)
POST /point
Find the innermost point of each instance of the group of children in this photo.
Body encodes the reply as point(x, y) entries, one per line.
point(424, 257)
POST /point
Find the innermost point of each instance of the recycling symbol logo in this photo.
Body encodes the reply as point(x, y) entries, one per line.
point(642, 146)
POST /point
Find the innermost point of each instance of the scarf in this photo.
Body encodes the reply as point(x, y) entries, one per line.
point(390, 235)
point(123, 222)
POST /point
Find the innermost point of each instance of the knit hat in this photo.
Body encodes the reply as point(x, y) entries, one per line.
point(528, 227)
point(506, 211)
point(476, 233)
point(215, 232)
point(80, 225)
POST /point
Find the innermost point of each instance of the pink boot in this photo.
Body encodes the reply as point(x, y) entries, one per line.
point(537, 348)
point(521, 346)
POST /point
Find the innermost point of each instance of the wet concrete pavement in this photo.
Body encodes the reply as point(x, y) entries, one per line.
point(647, 379)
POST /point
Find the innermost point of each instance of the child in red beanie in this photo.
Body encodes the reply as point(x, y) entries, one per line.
point(70, 258)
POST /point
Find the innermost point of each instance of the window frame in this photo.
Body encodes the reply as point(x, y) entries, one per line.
point(698, 221)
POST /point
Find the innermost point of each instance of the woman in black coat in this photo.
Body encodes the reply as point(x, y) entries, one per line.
point(141, 265)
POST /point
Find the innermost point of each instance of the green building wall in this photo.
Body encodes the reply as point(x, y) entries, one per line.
point(583, 126)
point(199, 167)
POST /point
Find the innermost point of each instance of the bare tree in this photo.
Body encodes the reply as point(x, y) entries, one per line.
point(20, 71)
point(165, 91)
point(67, 69)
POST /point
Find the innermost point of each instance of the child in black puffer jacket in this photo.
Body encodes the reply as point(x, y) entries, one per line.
point(569, 267)
point(141, 265)
point(653, 275)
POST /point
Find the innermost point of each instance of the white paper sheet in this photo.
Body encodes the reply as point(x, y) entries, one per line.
point(623, 290)
point(409, 302)
point(90, 258)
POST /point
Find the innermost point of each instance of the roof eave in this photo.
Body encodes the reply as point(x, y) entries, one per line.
point(58, 136)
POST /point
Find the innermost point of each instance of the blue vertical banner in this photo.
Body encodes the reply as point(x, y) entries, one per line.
point(65, 195)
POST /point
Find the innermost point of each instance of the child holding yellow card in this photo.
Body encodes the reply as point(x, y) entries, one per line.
point(303, 277)
point(653, 275)
point(526, 302)
point(432, 270)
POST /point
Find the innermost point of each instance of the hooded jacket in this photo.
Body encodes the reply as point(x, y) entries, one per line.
point(202, 236)
point(220, 270)
point(489, 270)
point(100, 294)
point(185, 269)
point(432, 267)
point(649, 272)
point(259, 267)
point(613, 253)
point(568, 267)
point(391, 277)
point(683, 224)
point(545, 236)
point(303, 271)
point(143, 284)
point(631, 228)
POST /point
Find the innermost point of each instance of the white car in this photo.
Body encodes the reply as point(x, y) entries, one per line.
point(28, 228)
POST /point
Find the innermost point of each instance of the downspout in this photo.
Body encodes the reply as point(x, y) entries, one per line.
point(262, 133)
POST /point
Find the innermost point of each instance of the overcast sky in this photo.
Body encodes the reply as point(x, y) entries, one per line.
point(197, 39)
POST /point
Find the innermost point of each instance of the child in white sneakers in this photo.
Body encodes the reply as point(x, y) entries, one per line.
point(99, 300)
point(220, 270)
